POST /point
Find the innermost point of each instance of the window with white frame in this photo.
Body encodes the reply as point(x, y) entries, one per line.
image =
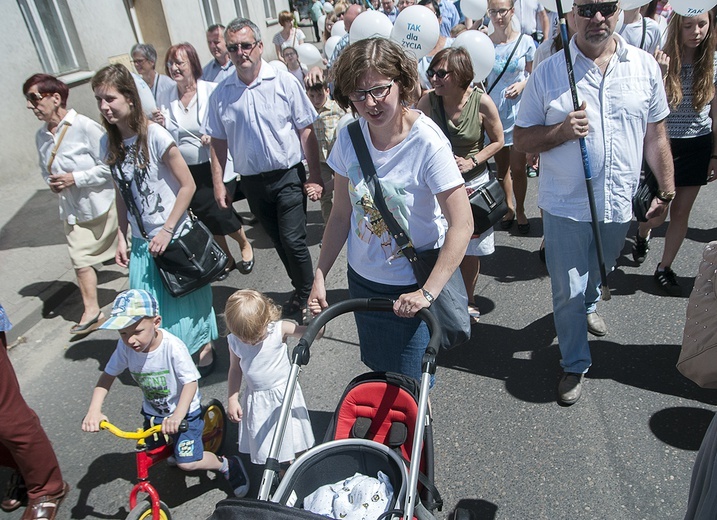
point(54, 35)
point(210, 9)
point(270, 9)
point(242, 8)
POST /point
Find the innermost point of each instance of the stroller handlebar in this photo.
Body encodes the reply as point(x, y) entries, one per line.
point(302, 354)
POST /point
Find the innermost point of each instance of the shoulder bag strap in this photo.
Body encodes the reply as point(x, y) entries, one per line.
point(442, 110)
point(644, 33)
point(126, 192)
point(515, 48)
point(57, 146)
point(369, 175)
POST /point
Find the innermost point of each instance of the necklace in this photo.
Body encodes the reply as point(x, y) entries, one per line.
point(603, 61)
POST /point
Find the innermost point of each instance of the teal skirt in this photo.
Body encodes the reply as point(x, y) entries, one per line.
point(191, 317)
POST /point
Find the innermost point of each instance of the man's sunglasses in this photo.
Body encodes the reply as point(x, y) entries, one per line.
point(441, 73)
point(35, 97)
point(246, 47)
point(607, 9)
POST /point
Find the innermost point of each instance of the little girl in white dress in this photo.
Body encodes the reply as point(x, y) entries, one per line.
point(258, 352)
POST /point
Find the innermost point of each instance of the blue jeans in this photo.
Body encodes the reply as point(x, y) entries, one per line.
point(388, 343)
point(575, 280)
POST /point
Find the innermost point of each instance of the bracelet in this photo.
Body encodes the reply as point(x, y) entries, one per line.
point(167, 230)
point(713, 156)
point(475, 163)
point(428, 296)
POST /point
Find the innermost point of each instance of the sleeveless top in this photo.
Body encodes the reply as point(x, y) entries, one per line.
point(467, 137)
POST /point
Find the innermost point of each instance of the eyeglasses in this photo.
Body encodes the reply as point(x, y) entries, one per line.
point(35, 97)
point(178, 63)
point(498, 12)
point(139, 61)
point(607, 9)
point(441, 73)
point(378, 93)
point(245, 47)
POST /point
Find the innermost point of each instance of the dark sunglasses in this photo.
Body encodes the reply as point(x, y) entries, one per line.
point(607, 9)
point(35, 97)
point(441, 73)
point(246, 47)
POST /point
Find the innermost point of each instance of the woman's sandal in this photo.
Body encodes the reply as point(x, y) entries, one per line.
point(474, 313)
point(15, 493)
point(45, 507)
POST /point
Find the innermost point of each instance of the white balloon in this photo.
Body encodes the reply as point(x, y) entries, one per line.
point(481, 51)
point(632, 4)
point(552, 5)
point(474, 9)
point(321, 22)
point(328, 8)
point(278, 65)
point(345, 120)
point(309, 55)
point(338, 29)
point(370, 24)
point(691, 8)
point(330, 45)
point(416, 30)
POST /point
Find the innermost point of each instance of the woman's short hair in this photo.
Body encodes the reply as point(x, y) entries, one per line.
point(47, 84)
point(458, 62)
point(285, 16)
point(248, 313)
point(385, 57)
point(190, 52)
point(145, 49)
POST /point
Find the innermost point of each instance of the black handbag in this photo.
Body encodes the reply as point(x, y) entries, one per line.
point(451, 305)
point(190, 261)
point(488, 205)
point(646, 191)
point(487, 200)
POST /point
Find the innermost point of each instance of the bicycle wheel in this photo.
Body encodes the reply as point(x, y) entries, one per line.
point(215, 426)
point(143, 511)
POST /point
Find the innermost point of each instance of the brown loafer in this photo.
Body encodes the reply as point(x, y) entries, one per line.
point(45, 507)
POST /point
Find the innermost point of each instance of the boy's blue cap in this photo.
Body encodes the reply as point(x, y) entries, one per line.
point(130, 307)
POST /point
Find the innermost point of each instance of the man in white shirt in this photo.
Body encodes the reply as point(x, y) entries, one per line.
point(533, 19)
point(221, 67)
point(623, 110)
point(265, 119)
point(389, 9)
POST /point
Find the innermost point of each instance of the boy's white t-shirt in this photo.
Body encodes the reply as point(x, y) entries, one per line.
point(160, 374)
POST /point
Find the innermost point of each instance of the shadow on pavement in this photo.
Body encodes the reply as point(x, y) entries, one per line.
point(530, 365)
point(40, 207)
point(682, 427)
point(477, 510)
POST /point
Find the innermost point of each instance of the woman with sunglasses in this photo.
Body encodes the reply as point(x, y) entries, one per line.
point(68, 146)
point(183, 111)
point(690, 71)
point(513, 63)
point(150, 173)
point(421, 184)
point(466, 115)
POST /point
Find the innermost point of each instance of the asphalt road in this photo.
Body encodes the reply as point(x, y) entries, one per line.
point(504, 448)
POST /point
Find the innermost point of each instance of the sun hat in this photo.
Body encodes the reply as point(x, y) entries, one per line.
point(130, 307)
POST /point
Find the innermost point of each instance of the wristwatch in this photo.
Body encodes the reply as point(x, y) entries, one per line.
point(428, 296)
point(665, 196)
point(475, 163)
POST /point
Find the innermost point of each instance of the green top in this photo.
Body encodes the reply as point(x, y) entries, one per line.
point(467, 137)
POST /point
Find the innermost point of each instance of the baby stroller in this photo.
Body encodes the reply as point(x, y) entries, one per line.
point(393, 436)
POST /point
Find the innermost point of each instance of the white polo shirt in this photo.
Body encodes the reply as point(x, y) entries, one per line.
point(260, 121)
point(620, 104)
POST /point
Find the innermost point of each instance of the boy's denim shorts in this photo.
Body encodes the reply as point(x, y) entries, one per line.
point(188, 446)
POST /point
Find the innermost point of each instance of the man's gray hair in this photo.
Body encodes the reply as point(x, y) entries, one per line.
point(147, 50)
point(237, 24)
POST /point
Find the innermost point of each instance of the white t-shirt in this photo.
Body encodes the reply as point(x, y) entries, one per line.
point(527, 13)
point(154, 187)
point(632, 33)
point(160, 374)
point(411, 174)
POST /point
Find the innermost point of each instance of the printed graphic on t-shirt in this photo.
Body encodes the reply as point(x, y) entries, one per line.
point(155, 389)
point(185, 449)
point(370, 223)
point(149, 201)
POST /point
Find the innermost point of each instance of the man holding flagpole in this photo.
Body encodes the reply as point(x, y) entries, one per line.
point(622, 112)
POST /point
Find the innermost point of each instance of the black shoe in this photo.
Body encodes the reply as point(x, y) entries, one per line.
point(246, 267)
point(293, 306)
point(228, 269)
point(570, 388)
point(667, 280)
point(640, 249)
point(237, 477)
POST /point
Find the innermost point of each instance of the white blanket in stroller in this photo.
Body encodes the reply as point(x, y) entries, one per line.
point(357, 498)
